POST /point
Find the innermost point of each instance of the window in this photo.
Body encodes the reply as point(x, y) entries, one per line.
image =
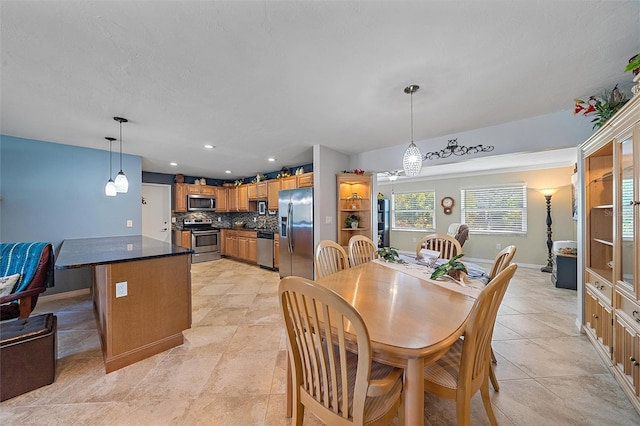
point(495, 210)
point(413, 211)
point(627, 208)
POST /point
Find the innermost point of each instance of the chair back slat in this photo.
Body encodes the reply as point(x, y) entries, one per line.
point(445, 244)
point(319, 325)
point(502, 260)
point(330, 258)
point(361, 250)
point(476, 352)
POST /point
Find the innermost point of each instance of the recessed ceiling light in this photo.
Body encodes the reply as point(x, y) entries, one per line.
point(209, 146)
point(227, 171)
point(271, 159)
point(173, 164)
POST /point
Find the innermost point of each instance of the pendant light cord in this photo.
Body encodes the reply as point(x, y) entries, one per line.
point(412, 116)
point(121, 144)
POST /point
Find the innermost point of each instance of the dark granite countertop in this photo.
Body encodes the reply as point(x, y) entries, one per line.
point(81, 252)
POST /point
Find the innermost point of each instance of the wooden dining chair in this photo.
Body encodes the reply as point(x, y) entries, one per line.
point(502, 260)
point(361, 249)
point(445, 244)
point(330, 355)
point(464, 369)
point(330, 258)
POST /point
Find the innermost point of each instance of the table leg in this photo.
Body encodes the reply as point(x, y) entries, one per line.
point(414, 392)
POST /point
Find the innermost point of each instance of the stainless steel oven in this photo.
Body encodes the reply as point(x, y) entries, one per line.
point(205, 240)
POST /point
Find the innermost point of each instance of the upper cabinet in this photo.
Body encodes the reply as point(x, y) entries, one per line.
point(241, 198)
point(610, 247)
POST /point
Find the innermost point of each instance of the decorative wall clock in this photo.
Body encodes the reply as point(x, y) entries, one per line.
point(447, 204)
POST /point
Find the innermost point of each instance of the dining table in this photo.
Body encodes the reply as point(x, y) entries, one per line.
point(412, 320)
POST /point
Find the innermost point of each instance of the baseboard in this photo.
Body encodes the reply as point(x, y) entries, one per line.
point(65, 295)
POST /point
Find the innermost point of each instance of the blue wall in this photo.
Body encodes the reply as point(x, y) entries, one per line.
point(51, 192)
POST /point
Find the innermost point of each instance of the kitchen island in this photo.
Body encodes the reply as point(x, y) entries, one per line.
point(141, 293)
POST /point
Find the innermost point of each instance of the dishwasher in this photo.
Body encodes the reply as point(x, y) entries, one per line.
point(265, 249)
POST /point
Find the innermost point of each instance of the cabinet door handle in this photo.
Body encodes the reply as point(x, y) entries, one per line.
point(635, 315)
point(595, 316)
point(634, 203)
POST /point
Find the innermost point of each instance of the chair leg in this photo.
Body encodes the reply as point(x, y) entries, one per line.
point(486, 400)
point(493, 357)
point(494, 380)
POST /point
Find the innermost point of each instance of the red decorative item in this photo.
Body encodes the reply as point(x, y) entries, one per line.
point(358, 171)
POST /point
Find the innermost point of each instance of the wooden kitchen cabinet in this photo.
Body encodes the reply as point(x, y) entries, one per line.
point(273, 188)
point(289, 182)
point(304, 180)
point(252, 191)
point(222, 204)
point(261, 190)
point(180, 191)
point(182, 238)
point(238, 199)
point(240, 245)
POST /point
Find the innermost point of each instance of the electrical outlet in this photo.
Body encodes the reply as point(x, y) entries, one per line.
point(219, 219)
point(173, 220)
point(498, 246)
point(129, 223)
point(121, 289)
point(328, 220)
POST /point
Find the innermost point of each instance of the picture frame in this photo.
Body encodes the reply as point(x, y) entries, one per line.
point(262, 208)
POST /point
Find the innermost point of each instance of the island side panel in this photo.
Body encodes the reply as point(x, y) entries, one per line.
point(153, 314)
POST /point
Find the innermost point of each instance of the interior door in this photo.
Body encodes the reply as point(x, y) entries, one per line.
point(156, 211)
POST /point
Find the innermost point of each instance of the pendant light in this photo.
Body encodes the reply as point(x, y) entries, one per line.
point(110, 187)
point(122, 183)
point(412, 158)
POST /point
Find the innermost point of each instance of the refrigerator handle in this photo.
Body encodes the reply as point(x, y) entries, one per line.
point(290, 214)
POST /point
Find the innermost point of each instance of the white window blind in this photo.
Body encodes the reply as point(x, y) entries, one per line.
point(495, 210)
point(413, 211)
point(627, 209)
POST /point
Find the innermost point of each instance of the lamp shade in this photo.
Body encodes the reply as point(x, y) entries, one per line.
point(121, 183)
point(412, 160)
point(110, 189)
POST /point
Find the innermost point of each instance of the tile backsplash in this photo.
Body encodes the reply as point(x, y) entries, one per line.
point(227, 220)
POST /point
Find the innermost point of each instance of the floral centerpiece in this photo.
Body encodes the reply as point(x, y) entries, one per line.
point(352, 221)
point(601, 106)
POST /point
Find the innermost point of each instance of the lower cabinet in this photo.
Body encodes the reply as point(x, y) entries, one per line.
point(240, 245)
point(598, 319)
point(182, 238)
point(627, 352)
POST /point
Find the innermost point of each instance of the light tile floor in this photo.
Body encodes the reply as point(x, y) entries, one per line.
point(231, 368)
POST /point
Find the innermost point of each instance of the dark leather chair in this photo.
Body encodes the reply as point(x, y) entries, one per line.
point(459, 231)
point(22, 301)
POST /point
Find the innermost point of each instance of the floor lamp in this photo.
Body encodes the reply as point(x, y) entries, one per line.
point(547, 196)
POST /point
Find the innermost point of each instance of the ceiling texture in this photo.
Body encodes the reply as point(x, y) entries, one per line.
point(273, 78)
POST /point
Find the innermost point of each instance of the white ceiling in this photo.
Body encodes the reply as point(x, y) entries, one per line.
point(273, 78)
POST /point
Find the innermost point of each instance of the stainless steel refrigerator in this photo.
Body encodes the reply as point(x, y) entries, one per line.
point(295, 218)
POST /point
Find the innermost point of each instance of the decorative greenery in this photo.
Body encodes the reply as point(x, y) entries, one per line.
point(390, 254)
point(352, 218)
point(448, 268)
point(634, 64)
point(602, 106)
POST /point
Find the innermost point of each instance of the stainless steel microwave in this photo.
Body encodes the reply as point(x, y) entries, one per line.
point(201, 203)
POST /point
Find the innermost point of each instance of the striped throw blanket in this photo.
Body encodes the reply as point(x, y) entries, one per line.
point(23, 259)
